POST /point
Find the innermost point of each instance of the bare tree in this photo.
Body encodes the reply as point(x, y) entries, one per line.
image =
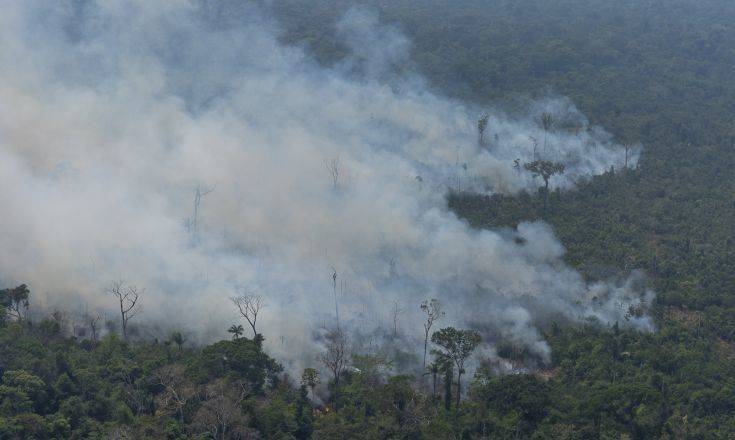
point(192, 222)
point(627, 147)
point(547, 121)
point(249, 306)
point(134, 386)
point(334, 170)
point(334, 290)
point(93, 322)
point(335, 358)
point(128, 298)
point(177, 388)
point(433, 311)
point(481, 127)
point(61, 319)
point(219, 416)
point(396, 312)
point(534, 141)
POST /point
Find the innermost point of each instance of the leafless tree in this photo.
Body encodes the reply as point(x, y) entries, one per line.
point(133, 385)
point(192, 222)
point(93, 322)
point(333, 167)
point(547, 121)
point(433, 311)
point(177, 389)
point(396, 312)
point(534, 141)
point(61, 319)
point(220, 416)
point(627, 147)
point(249, 306)
point(128, 298)
point(334, 291)
point(336, 357)
point(120, 433)
point(481, 127)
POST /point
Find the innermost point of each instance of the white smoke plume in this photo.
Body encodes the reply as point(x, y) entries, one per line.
point(114, 112)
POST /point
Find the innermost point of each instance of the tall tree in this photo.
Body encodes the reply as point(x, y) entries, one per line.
point(433, 311)
point(334, 292)
point(448, 369)
point(456, 346)
point(481, 127)
point(335, 358)
point(396, 312)
point(192, 223)
point(178, 339)
point(128, 298)
point(547, 121)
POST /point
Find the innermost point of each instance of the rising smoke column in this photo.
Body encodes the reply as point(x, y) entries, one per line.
point(113, 113)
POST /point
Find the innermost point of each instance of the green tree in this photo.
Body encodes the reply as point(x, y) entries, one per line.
point(310, 379)
point(546, 170)
point(14, 302)
point(178, 339)
point(456, 346)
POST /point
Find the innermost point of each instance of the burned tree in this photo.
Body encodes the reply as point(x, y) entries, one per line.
point(628, 147)
point(547, 121)
point(335, 358)
point(534, 141)
point(396, 312)
point(93, 323)
point(481, 127)
point(456, 346)
point(334, 292)
point(128, 298)
point(249, 306)
point(192, 223)
point(433, 311)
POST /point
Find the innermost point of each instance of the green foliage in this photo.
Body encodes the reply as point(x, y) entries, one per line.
point(651, 72)
point(238, 359)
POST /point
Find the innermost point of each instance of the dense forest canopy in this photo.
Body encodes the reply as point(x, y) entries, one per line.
point(650, 72)
point(658, 73)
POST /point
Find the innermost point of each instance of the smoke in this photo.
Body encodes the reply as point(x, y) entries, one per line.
point(113, 114)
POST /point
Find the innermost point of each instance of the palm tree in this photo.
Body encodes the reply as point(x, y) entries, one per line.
point(236, 331)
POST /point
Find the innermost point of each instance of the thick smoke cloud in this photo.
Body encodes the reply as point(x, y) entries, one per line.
point(113, 112)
